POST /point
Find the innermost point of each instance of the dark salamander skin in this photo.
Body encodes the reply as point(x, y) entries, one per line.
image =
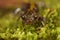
point(30, 14)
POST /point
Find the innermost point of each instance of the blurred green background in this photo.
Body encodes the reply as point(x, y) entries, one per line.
point(10, 29)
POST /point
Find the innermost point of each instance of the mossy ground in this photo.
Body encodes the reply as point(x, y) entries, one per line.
point(10, 29)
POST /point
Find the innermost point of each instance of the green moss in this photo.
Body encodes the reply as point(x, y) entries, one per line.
point(10, 29)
